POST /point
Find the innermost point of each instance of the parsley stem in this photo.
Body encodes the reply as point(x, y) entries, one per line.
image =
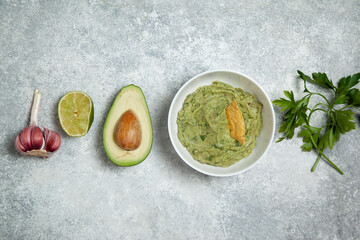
point(318, 104)
point(317, 109)
point(316, 163)
point(322, 154)
point(350, 106)
point(319, 94)
point(345, 107)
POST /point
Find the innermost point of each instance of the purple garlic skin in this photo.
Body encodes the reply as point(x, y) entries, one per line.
point(52, 140)
point(37, 139)
point(25, 138)
point(31, 142)
point(18, 145)
point(29, 139)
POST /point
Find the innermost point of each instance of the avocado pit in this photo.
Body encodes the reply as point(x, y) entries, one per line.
point(127, 132)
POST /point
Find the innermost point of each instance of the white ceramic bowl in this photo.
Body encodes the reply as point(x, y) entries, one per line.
point(236, 80)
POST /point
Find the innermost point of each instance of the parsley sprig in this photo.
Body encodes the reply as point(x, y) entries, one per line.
point(338, 109)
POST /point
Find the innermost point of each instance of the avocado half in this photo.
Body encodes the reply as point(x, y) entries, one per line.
point(131, 98)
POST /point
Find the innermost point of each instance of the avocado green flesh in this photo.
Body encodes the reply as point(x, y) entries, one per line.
point(203, 126)
point(132, 98)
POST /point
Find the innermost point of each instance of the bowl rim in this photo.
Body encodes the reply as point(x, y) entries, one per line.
point(172, 137)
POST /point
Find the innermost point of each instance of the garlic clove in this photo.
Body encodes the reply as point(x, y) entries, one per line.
point(18, 145)
point(25, 138)
point(52, 140)
point(37, 138)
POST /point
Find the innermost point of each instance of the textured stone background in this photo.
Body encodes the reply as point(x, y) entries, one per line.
point(99, 47)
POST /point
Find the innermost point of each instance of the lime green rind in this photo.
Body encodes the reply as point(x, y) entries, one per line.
point(91, 114)
point(137, 161)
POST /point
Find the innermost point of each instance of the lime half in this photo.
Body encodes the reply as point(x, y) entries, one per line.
point(76, 113)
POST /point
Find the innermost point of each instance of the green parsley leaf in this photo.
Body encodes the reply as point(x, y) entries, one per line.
point(295, 113)
point(331, 138)
point(339, 121)
point(343, 120)
point(300, 105)
point(343, 94)
point(354, 97)
point(349, 81)
point(341, 99)
point(284, 104)
point(322, 80)
point(308, 132)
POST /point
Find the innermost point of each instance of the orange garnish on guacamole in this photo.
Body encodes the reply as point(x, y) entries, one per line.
point(236, 122)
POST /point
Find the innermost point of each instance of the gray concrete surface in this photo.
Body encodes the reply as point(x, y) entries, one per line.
point(99, 47)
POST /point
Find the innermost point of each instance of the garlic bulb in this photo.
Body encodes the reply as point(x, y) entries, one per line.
point(32, 141)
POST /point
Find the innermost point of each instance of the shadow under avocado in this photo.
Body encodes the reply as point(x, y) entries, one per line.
point(100, 153)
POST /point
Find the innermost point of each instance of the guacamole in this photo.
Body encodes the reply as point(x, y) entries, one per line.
point(203, 128)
